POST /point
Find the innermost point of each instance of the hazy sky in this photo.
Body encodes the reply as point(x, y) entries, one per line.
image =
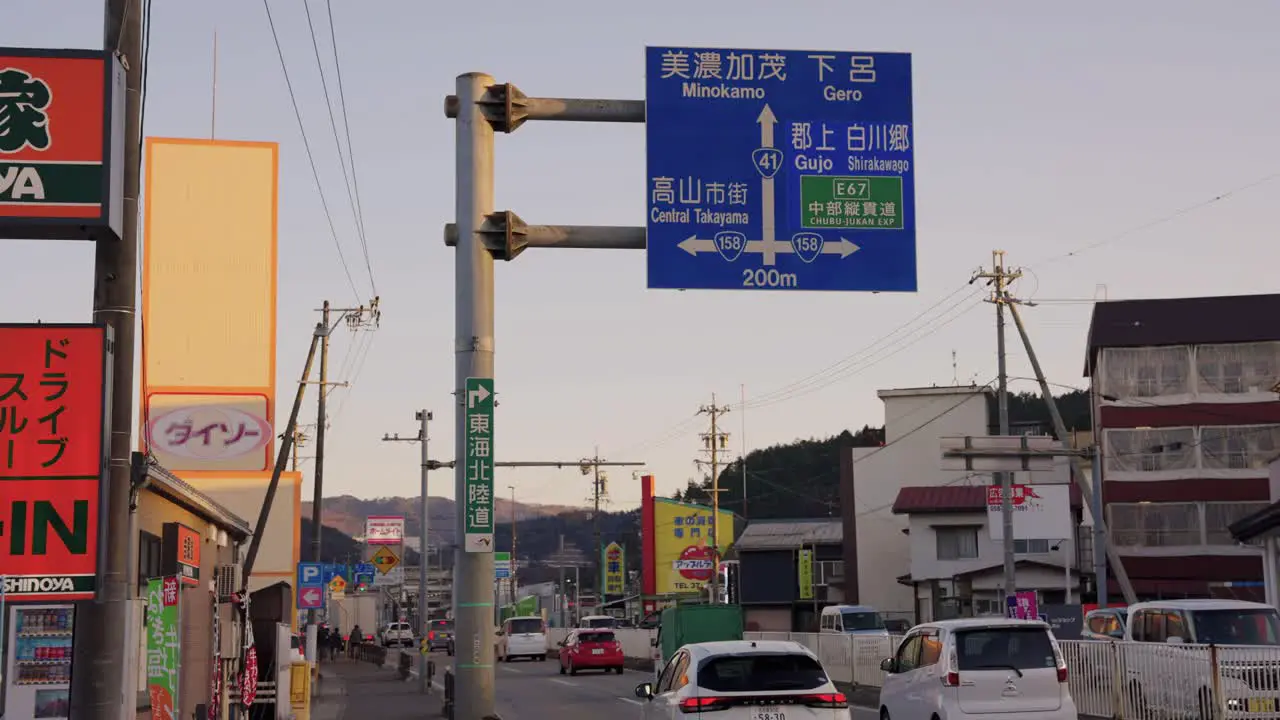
point(1041, 129)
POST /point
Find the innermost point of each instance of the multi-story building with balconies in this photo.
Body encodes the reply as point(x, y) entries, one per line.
point(1186, 412)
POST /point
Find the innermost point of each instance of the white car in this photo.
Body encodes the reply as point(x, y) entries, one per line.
point(977, 668)
point(744, 680)
point(396, 633)
point(522, 637)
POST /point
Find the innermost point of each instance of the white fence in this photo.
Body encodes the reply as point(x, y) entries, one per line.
point(1129, 681)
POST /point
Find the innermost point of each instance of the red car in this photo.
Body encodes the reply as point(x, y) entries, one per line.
point(590, 649)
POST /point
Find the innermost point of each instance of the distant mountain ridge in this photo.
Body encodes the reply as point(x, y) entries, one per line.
point(347, 513)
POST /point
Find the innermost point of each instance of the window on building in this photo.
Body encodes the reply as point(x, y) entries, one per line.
point(957, 543)
point(1237, 368)
point(1218, 516)
point(1031, 547)
point(1150, 450)
point(1155, 524)
point(148, 557)
point(1146, 372)
point(1239, 447)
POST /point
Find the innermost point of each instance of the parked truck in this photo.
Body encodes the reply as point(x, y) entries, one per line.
point(353, 610)
point(684, 624)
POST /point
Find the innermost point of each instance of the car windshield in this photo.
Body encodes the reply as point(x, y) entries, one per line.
point(1236, 627)
point(1002, 648)
point(596, 637)
point(854, 621)
point(748, 673)
point(526, 625)
point(441, 625)
point(601, 622)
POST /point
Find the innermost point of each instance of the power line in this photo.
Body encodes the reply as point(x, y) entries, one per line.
point(355, 178)
point(333, 124)
point(306, 144)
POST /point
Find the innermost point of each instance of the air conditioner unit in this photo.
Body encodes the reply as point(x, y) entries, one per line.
point(229, 582)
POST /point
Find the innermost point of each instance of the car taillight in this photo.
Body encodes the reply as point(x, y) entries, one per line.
point(1059, 659)
point(703, 704)
point(617, 645)
point(431, 634)
point(825, 700)
point(951, 679)
point(1062, 673)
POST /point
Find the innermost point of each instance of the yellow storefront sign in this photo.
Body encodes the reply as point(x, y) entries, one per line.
point(805, 573)
point(683, 559)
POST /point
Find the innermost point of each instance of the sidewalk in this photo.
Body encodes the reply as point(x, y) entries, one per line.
point(353, 689)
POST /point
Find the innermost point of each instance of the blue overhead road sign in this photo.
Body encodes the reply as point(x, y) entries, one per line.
point(780, 170)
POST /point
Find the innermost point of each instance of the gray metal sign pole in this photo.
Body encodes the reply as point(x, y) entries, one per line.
point(480, 235)
point(473, 348)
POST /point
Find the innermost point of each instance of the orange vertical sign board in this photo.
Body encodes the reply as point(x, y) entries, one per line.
point(53, 381)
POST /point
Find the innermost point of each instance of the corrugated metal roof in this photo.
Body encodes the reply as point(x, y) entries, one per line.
point(788, 534)
point(950, 499)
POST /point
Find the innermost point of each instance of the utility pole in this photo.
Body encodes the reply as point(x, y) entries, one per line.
point(355, 319)
point(591, 466)
point(424, 530)
point(998, 278)
point(99, 647)
point(713, 442)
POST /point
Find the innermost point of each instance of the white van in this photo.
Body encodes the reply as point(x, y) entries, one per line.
point(598, 621)
point(1168, 657)
point(852, 620)
point(522, 637)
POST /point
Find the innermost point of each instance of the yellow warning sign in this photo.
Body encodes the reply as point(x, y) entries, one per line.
point(337, 585)
point(385, 560)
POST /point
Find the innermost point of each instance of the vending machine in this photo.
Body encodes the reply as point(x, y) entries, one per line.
point(38, 674)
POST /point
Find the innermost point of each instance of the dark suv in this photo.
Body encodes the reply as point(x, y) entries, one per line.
point(440, 635)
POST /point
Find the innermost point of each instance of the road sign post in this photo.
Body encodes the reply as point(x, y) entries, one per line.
point(311, 586)
point(779, 170)
point(478, 465)
point(501, 565)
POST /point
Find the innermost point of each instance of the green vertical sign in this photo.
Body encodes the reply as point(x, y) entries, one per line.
point(478, 465)
point(805, 573)
point(163, 645)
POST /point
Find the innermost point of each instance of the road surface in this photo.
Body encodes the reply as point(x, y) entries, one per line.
point(529, 690)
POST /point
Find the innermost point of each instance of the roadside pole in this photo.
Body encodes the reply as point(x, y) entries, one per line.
point(474, 348)
point(99, 652)
point(424, 550)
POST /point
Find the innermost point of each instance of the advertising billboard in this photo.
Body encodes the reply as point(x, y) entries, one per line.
point(61, 144)
point(53, 404)
point(682, 545)
point(1040, 512)
point(615, 569)
point(384, 530)
point(209, 290)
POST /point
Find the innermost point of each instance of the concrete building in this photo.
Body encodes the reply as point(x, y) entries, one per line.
point(877, 549)
point(957, 570)
point(1186, 408)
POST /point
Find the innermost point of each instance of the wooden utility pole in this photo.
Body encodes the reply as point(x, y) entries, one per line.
point(713, 443)
point(998, 278)
point(99, 654)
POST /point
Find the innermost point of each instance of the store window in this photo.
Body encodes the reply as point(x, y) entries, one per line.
point(149, 548)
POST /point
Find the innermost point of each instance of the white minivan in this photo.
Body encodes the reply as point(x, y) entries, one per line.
point(977, 667)
point(522, 637)
point(852, 620)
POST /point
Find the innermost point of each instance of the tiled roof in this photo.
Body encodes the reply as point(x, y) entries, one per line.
point(1179, 321)
point(950, 499)
point(788, 534)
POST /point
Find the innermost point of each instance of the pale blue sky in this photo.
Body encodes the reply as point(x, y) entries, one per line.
point(1041, 128)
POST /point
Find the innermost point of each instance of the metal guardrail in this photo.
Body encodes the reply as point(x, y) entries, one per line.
point(1123, 680)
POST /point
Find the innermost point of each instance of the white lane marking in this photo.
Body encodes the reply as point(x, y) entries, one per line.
point(563, 682)
point(629, 700)
point(510, 669)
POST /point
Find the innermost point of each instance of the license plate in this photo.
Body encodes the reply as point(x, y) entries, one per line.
point(1262, 705)
point(766, 713)
point(597, 651)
